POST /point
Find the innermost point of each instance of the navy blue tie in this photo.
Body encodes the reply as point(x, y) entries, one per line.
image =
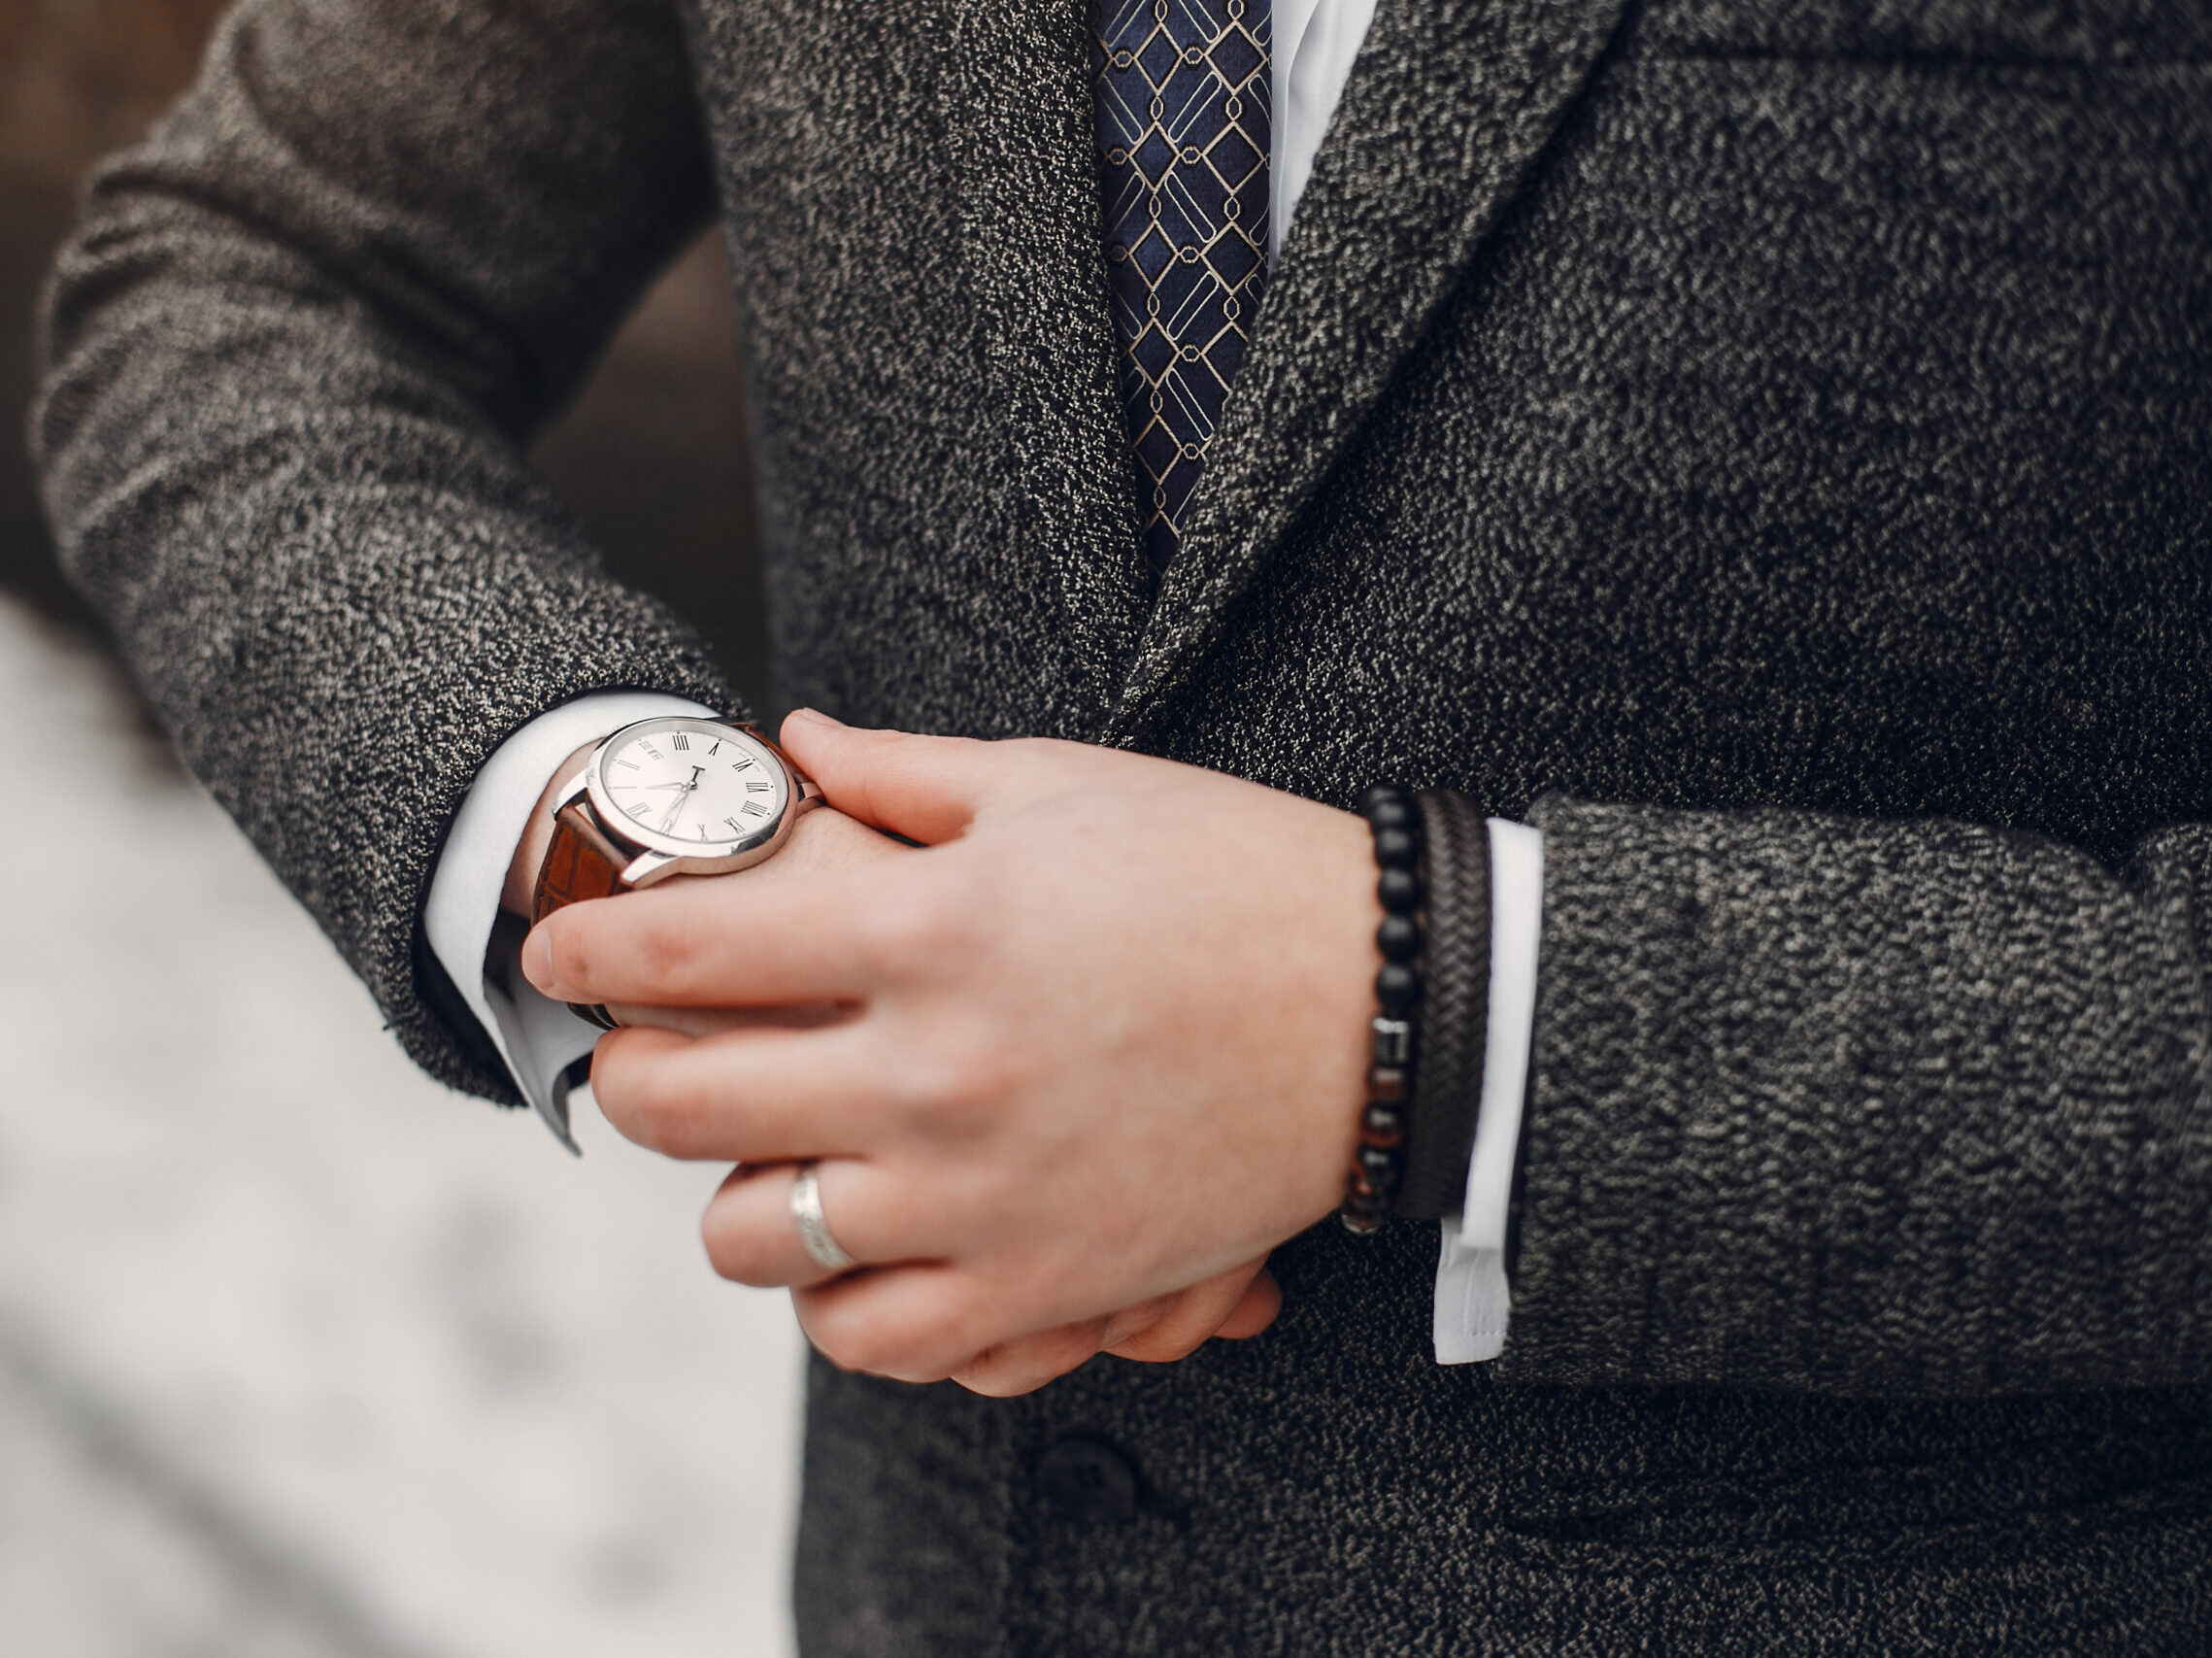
point(1183, 99)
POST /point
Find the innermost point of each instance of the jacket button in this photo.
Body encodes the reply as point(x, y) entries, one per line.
point(1087, 1482)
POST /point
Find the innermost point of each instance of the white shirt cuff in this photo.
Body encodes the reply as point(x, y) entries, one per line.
point(539, 1039)
point(1473, 1301)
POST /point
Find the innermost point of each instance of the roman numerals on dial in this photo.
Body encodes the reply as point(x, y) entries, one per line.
point(681, 789)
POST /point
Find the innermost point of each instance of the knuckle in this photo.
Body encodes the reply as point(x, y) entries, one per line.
point(1171, 1345)
point(736, 1255)
point(615, 1081)
point(651, 1107)
point(568, 944)
point(671, 1123)
point(854, 1348)
point(1006, 1373)
point(905, 1348)
point(941, 919)
point(911, 931)
point(666, 949)
point(955, 1083)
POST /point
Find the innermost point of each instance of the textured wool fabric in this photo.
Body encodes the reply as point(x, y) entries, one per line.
point(1766, 441)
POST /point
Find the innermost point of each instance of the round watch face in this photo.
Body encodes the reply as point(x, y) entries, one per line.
point(691, 787)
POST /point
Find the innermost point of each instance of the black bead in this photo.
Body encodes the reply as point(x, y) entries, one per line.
point(1390, 811)
point(1399, 890)
point(1398, 939)
point(1397, 987)
point(1397, 849)
point(1375, 1173)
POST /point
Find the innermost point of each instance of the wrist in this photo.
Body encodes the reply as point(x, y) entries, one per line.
point(537, 834)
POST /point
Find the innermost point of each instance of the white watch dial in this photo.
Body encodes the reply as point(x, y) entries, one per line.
point(691, 785)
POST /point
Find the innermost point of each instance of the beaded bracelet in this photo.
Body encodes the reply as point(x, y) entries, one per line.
point(1371, 1186)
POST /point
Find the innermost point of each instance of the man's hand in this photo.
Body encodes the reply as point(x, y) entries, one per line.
point(824, 842)
point(1100, 1048)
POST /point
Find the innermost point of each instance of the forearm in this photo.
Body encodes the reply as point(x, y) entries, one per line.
point(295, 349)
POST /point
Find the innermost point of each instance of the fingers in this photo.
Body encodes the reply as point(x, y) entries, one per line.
point(1027, 1363)
point(747, 1095)
point(928, 788)
point(913, 1323)
point(715, 1021)
point(1262, 1302)
point(751, 1239)
point(724, 943)
point(909, 1323)
point(824, 842)
point(1246, 1294)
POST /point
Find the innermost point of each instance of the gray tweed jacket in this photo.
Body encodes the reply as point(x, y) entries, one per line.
point(1770, 445)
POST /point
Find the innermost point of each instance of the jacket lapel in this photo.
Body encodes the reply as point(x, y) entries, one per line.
point(1033, 257)
point(1449, 105)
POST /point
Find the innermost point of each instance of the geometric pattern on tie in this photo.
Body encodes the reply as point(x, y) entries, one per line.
point(1182, 94)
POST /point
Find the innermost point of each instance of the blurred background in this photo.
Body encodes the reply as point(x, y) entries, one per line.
point(299, 1354)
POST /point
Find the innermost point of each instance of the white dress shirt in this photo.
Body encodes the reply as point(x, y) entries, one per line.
point(1315, 42)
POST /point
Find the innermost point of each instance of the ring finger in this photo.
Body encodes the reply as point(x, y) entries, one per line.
point(752, 1237)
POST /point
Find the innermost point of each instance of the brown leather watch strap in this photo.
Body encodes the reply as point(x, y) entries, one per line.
point(581, 862)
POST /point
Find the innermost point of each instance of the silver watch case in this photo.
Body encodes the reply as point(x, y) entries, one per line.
point(659, 857)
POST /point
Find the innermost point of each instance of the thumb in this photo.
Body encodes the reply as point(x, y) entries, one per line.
point(926, 789)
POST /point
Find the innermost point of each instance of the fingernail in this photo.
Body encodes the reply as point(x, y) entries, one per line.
point(537, 958)
point(816, 716)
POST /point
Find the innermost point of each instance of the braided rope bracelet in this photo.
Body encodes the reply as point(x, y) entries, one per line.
point(1371, 1186)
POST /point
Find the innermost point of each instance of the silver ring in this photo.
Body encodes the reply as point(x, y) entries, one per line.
point(813, 1229)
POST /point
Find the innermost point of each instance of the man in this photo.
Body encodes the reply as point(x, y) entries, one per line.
point(1761, 450)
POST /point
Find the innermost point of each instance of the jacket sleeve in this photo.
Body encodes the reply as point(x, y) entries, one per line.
point(1901, 1108)
point(295, 350)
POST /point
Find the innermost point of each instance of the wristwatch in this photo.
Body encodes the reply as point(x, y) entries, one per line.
point(671, 795)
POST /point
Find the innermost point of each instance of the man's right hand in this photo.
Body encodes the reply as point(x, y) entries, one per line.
point(824, 841)
point(1237, 1303)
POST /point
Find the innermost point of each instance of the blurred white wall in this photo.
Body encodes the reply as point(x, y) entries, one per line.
point(300, 1354)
